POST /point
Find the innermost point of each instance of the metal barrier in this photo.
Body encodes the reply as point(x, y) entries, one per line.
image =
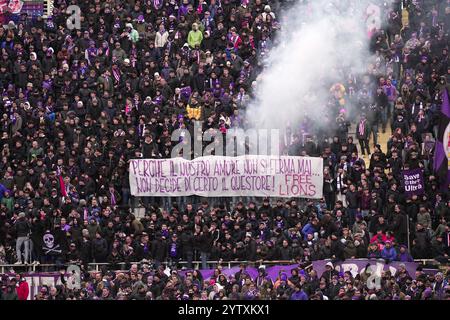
point(6, 268)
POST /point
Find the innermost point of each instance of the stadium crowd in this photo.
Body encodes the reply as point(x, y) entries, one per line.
point(78, 104)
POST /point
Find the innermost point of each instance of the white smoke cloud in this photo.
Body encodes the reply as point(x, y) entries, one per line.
point(319, 44)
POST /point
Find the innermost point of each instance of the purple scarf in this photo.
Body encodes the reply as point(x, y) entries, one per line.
point(116, 74)
point(113, 199)
point(362, 125)
point(92, 52)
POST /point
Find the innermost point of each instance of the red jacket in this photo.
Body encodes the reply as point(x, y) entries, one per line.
point(23, 290)
point(384, 238)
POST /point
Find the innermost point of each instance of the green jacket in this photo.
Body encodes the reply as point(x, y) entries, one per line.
point(9, 203)
point(134, 36)
point(194, 38)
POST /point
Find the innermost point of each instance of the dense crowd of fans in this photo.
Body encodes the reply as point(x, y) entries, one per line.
point(78, 104)
point(300, 283)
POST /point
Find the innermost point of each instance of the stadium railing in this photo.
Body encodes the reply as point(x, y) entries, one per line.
point(7, 268)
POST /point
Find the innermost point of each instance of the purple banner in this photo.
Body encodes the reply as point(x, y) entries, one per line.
point(356, 266)
point(272, 272)
point(413, 182)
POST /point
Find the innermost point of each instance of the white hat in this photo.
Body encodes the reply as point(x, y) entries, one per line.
point(129, 25)
point(329, 264)
point(126, 60)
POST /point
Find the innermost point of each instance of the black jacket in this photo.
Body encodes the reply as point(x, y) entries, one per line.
point(187, 244)
point(142, 252)
point(203, 242)
point(353, 199)
point(86, 251)
point(99, 248)
point(400, 224)
point(160, 249)
point(251, 250)
point(22, 227)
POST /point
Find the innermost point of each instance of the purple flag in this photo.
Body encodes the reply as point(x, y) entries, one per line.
point(413, 182)
point(440, 163)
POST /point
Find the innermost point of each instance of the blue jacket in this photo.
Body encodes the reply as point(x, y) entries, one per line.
point(404, 257)
point(307, 229)
point(389, 254)
point(300, 295)
point(3, 189)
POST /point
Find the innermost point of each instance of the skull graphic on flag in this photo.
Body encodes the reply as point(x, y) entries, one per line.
point(50, 247)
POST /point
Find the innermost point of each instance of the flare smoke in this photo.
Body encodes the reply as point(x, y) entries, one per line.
point(321, 43)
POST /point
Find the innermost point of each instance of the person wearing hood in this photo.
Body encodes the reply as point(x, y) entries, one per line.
point(131, 33)
point(33, 61)
point(195, 36)
point(268, 12)
point(388, 253)
point(329, 272)
point(403, 254)
point(282, 286)
point(310, 228)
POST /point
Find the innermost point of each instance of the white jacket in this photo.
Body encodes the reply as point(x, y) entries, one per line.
point(161, 39)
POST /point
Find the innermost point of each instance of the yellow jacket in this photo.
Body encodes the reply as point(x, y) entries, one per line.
point(194, 112)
